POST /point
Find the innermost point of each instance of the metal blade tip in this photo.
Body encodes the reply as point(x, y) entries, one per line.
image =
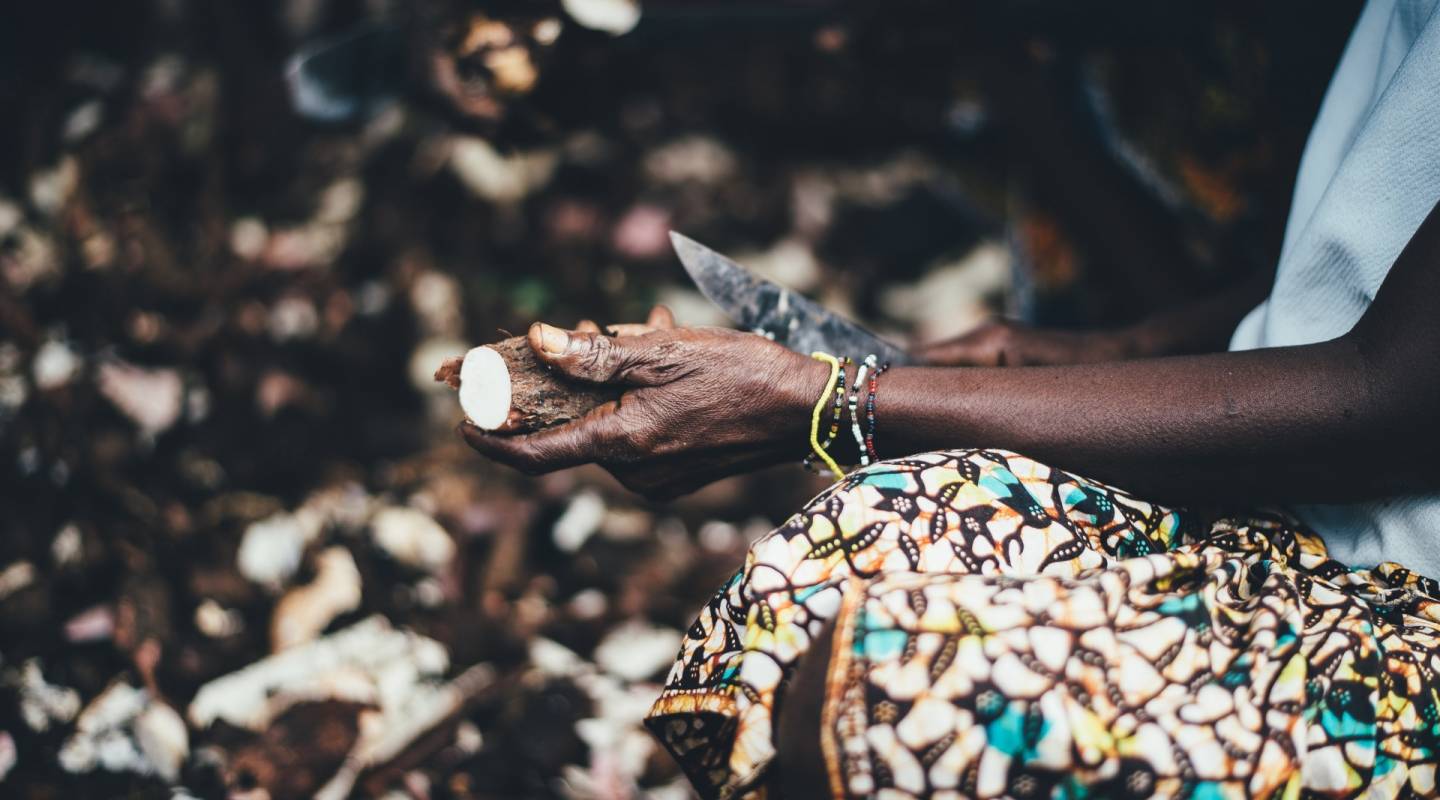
point(680, 241)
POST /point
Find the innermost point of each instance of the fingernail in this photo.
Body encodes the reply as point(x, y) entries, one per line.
point(553, 340)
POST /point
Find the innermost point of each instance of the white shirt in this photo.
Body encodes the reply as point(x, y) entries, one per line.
point(1369, 176)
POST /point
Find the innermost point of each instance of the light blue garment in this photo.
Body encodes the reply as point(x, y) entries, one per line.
point(1369, 176)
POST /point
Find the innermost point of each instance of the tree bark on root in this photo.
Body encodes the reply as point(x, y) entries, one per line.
point(505, 387)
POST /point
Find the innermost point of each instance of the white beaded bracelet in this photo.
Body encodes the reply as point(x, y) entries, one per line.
point(867, 365)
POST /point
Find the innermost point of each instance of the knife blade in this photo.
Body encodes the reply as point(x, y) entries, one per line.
point(773, 311)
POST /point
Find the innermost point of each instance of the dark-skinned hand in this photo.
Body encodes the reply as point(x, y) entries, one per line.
point(1276, 425)
point(699, 404)
point(1007, 343)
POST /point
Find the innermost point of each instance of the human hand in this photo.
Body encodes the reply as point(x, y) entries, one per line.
point(700, 404)
point(1006, 343)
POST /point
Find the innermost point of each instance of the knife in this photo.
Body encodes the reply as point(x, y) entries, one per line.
point(777, 313)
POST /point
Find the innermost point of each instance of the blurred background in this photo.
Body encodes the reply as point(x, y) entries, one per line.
point(242, 550)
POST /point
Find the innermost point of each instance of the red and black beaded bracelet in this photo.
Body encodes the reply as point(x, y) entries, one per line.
point(870, 454)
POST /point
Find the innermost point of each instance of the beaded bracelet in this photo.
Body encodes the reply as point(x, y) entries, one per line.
point(838, 412)
point(815, 447)
point(869, 454)
point(839, 394)
point(869, 364)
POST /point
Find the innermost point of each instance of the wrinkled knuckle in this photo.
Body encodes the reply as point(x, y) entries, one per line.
point(597, 358)
point(631, 370)
point(675, 348)
point(659, 363)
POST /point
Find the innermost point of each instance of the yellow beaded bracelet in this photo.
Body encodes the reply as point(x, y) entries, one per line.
point(820, 409)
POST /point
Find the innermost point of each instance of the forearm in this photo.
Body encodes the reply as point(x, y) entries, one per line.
point(1338, 421)
point(1348, 419)
point(1280, 425)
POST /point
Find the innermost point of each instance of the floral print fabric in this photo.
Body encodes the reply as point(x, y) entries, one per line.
point(1005, 629)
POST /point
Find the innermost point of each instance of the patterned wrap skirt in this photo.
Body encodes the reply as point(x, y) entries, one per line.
point(1006, 629)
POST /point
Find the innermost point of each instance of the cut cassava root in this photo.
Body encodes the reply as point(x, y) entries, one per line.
point(503, 386)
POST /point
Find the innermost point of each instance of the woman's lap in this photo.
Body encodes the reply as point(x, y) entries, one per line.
point(1005, 628)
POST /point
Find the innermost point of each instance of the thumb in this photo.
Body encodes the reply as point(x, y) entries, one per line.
point(646, 360)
